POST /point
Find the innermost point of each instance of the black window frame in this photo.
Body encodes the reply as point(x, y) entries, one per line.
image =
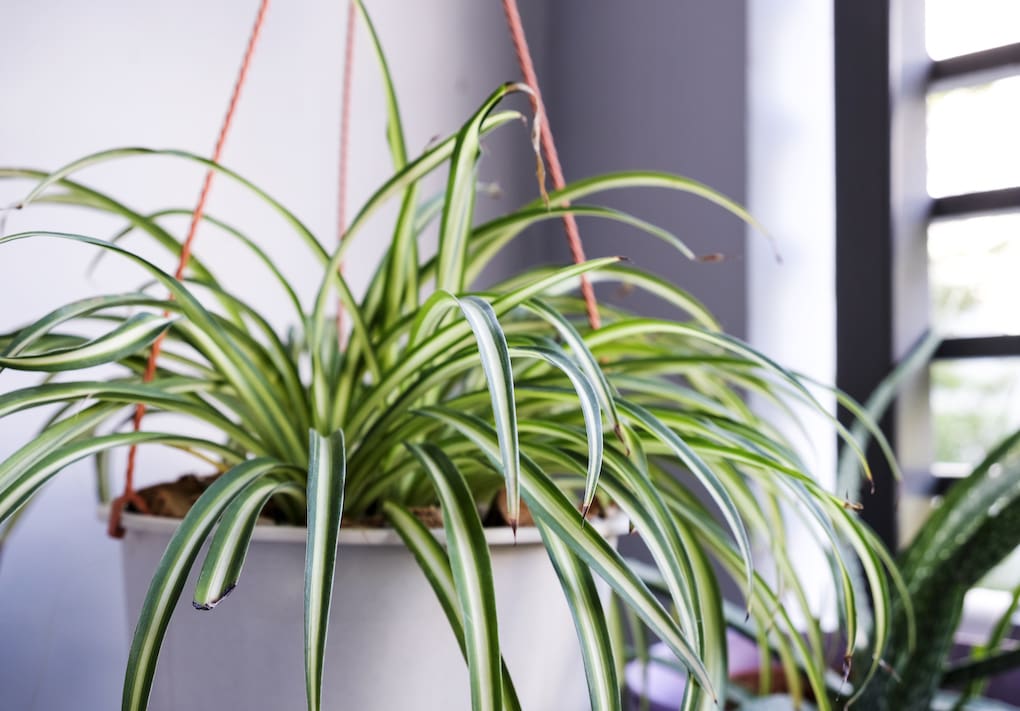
point(882, 79)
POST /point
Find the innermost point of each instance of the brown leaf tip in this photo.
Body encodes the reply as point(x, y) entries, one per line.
point(204, 606)
point(711, 258)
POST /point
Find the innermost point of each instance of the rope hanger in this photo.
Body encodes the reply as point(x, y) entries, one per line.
point(129, 495)
point(527, 68)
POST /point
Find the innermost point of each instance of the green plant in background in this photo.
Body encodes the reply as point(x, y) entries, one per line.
point(974, 528)
point(396, 419)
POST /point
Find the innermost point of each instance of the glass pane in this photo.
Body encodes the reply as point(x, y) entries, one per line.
point(973, 142)
point(973, 265)
point(975, 403)
point(962, 26)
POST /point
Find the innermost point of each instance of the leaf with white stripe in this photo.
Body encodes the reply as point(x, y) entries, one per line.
point(31, 333)
point(705, 475)
point(229, 547)
point(589, 402)
point(170, 394)
point(55, 435)
point(495, 359)
point(472, 575)
point(435, 564)
point(266, 410)
point(401, 282)
point(327, 472)
point(584, 358)
point(590, 622)
point(131, 336)
point(450, 339)
point(458, 207)
point(172, 573)
point(547, 502)
point(21, 484)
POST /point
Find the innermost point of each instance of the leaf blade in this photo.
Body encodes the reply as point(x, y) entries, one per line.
point(472, 573)
point(171, 575)
point(326, 477)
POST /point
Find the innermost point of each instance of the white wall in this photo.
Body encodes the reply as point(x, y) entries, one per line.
point(79, 77)
point(792, 191)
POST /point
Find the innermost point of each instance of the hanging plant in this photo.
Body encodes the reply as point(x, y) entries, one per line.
point(443, 396)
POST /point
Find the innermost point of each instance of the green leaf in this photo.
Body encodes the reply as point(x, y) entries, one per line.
point(458, 207)
point(976, 526)
point(590, 622)
point(987, 650)
point(629, 277)
point(394, 126)
point(495, 358)
point(971, 669)
point(60, 175)
point(589, 403)
point(172, 573)
point(847, 477)
point(53, 436)
point(168, 394)
point(449, 338)
point(435, 564)
point(472, 574)
point(265, 408)
point(650, 179)
point(398, 183)
point(21, 484)
point(548, 503)
point(133, 335)
point(327, 470)
point(949, 701)
point(489, 238)
point(690, 581)
point(229, 548)
point(706, 476)
point(44, 326)
point(637, 327)
point(401, 281)
point(583, 356)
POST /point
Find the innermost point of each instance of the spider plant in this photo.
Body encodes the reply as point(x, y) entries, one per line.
point(972, 530)
point(639, 414)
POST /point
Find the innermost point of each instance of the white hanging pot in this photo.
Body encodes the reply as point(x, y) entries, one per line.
point(389, 645)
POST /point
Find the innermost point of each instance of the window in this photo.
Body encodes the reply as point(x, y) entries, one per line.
point(928, 227)
point(973, 237)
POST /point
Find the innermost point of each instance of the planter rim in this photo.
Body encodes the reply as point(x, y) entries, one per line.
point(615, 525)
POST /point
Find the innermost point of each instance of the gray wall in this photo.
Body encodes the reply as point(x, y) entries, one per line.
point(657, 84)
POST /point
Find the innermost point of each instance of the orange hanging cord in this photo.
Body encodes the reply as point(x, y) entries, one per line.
point(345, 145)
point(129, 494)
point(520, 42)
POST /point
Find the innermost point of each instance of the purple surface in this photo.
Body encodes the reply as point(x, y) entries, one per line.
point(664, 685)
